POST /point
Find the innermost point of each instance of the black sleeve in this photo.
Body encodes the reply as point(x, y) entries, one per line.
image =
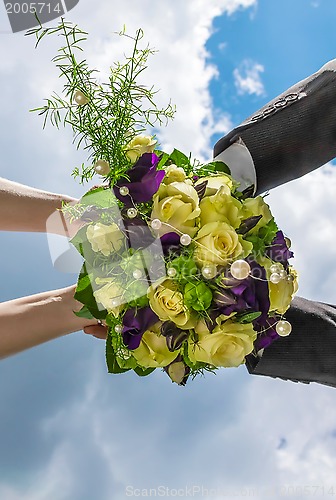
point(293, 134)
point(308, 354)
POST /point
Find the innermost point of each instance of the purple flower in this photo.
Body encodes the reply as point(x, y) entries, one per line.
point(138, 233)
point(144, 180)
point(250, 295)
point(135, 323)
point(266, 333)
point(278, 250)
point(170, 243)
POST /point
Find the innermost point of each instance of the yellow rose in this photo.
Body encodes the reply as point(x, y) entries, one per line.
point(256, 206)
point(221, 207)
point(110, 296)
point(167, 303)
point(216, 182)
point(105, 239)
point(153, 351)
point(176, 205)
point(218, 243)
point(282, 293)
point(139, 145)
point(227, 345)
point(174, 174)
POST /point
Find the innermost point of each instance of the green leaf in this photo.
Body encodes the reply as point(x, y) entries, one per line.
point(143, 372)
point(111, 360)
point(185, 267)
point(198, 296)
point(83, 246)
point(268, 232)
point(84, 294)
point(99, 197)
point(128, 364)
point(217, 166)
point(179, 158)
point(79, 239)
point(163, 159)
point(85, 313)
point(247, 317)
point(258, 244)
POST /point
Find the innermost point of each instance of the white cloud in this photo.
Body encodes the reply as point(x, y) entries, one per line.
point(304, 208)
point(247, 78)
point(110, 431)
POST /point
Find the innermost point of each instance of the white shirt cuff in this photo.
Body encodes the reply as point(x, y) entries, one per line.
point(239, 160)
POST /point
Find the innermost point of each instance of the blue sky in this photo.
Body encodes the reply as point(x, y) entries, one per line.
point(69, 431)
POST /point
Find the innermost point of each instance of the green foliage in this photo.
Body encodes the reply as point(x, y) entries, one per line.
point(143, 372)
point(84, 294)
point(214, 167)
point(263, 238)
point(267, 233)
point(197, 296)
point(84, 313)
point(111, 360)
point(185, 268)
point(247, 317)
point(115, 111)
point(99, 197)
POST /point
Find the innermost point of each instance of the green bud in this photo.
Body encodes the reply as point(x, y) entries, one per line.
point(184, 266)
point(197, 296)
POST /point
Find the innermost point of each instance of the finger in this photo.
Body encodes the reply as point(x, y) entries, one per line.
point(98, 331)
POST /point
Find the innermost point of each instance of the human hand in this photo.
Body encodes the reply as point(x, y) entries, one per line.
point(99, 331)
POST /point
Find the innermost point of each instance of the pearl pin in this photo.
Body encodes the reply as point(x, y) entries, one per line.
point(171, 271)
point(275, 278)
point(283, 328)
point(102, 167)
point(137, 274)
point(156, 224)
point(185, 240)
point(240, 269)
point(209, 272)
point(80, 98)
point(132, 212)
point(124, 191)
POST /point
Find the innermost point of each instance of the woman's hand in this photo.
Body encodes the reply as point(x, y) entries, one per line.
point(98, 331)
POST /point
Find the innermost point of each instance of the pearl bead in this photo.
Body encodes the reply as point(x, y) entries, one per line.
point(283, 328)
point(124, 191)
point(137, 274)
point(240, 269)
point(209, 272)
point(80, 98)
point(102, 167)
point(276, 268)
point(171, 271)
point(156, 224)
point(275, 278)
point(115, 303)
point(118, 328)
point(283, 274)
point(132, 212)
point(185, 240)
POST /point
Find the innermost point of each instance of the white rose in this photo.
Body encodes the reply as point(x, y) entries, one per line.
point(105, 239)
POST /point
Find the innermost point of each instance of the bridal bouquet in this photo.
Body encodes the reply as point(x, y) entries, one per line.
point(188, 273)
